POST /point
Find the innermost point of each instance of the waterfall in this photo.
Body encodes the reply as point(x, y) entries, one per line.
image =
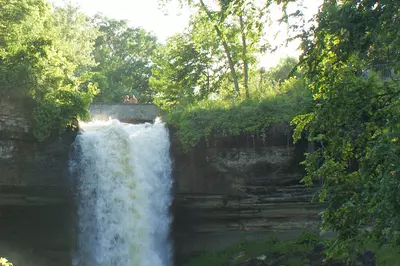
point(123, 178)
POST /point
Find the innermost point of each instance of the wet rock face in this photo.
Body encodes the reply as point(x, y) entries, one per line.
point(232, 189)
point(35, 201)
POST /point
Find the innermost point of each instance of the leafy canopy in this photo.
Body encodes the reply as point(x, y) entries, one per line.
point(232, 34)
point(179, 71)
point(273, 103)
point(44, 55)
point(123, 58)
point(355, 122)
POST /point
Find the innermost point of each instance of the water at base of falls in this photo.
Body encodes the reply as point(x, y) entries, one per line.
point(123, 176)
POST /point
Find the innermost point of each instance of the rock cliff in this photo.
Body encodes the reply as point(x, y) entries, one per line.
point(239, 188)
point(35, 203)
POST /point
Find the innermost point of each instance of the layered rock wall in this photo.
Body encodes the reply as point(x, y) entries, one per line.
point(239, 188)
point(35, 203)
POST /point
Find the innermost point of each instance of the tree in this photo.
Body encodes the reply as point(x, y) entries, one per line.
point(76, 36)
point(224, 42)
point(192, 66)
point(41, 58)
point(178, 72)
point(238, 25)
point(19, 49)
point(123, 56)
point(355, 122)
point(286, 67)
point(250, 19)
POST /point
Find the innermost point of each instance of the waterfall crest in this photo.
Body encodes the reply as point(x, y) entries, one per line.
point(123, 176)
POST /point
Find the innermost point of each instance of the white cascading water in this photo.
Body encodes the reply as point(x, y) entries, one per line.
point(123, 180)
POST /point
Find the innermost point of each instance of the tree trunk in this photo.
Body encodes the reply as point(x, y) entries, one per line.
point(245, 60)
point(226, 48)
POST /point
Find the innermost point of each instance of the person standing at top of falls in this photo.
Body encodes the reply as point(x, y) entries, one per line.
point(127, 100)
point(134, 100)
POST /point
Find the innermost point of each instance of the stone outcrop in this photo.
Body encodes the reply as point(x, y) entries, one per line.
point(240, 188)
point(35, 203)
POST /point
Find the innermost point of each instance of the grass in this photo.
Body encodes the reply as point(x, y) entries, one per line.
point(286, 252)
point(307, 249)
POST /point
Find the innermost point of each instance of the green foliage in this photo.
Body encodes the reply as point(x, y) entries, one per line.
point(123, 55)
point(306, 249)
point(191, 66)
point(276, 98)
point(45, 54)
point(20, 52)
point(386, 255)
point(75, 37)
point(307, 238)
point(231, 34)
point(278, 80)
point(60, 108)
point(178, 73)
point(355, 122)
point(285, 68)
point(230, 118)
point(292, 252)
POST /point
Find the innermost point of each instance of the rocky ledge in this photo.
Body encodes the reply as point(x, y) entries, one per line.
point(35, 200)
point(233, 189)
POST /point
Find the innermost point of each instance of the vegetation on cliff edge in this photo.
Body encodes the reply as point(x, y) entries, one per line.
point(351, 62)
point(231, 118)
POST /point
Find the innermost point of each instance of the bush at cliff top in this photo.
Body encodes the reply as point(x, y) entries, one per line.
point(231, 118)
point(62, 108)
